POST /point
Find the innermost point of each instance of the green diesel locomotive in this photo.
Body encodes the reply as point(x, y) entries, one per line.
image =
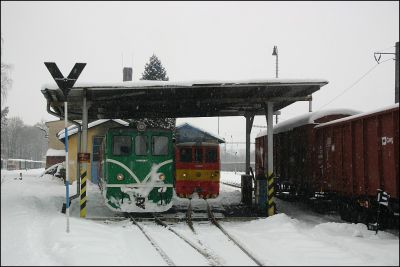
point(137, 169)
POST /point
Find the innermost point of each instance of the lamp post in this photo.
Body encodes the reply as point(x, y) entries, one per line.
point(275, 53)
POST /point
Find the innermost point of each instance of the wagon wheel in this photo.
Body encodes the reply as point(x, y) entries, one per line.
point(344, 212)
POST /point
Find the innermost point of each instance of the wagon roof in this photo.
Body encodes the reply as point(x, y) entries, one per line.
point(180, 99)
point(307, 118)
point(364, 114)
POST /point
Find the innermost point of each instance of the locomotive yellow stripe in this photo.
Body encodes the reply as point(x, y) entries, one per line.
point(197, 175)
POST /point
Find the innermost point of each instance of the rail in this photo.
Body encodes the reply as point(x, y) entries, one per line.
point(215, 222)
point(154, 243)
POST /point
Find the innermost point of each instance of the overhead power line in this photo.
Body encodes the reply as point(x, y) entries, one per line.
point(358, 80)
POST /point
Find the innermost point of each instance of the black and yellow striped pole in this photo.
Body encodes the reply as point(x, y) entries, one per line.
point(83, 193)
point(85, 157)
point(270, 161)
point(271, 194)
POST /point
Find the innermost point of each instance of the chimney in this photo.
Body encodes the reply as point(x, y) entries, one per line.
point(127, 74)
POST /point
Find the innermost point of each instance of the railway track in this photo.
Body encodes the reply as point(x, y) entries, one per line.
point(215, 222)
point(232, 184)
point(162, 253)
point(230, 237)
point(211, 259)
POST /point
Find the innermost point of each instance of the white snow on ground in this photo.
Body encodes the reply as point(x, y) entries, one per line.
point(33, 232)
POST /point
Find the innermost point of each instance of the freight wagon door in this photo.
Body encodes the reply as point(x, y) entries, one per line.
point(95, 164)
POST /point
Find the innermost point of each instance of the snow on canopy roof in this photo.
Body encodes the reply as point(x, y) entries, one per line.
point(307, 118)
point(197, 143)
point(221, 139)
point(147, 83)
point(73, 129)
point(55, 152)
point(359, 115)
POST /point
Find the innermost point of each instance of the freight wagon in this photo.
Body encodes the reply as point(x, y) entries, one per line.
point(293, 151)
point(357, 156)
point(338, 163)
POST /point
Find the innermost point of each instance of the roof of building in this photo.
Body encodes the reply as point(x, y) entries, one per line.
point(73, 129)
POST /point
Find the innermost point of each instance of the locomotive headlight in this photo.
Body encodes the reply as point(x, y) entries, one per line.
point(184, 174)
point(161, 176)
point(120, 177)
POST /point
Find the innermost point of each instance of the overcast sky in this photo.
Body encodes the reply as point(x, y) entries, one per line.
point(335, 41)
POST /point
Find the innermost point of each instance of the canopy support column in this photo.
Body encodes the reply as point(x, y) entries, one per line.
point(249, 125)
point(84, 165)
point(270, 158)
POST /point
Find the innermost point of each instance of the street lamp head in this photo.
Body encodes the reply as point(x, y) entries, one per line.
point(275, 51)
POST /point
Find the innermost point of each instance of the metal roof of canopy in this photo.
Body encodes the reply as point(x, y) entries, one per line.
point(180, 99)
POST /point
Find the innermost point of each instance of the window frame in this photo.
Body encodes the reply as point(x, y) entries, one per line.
point(113, 145)
point(146, 142)
point(153, 145)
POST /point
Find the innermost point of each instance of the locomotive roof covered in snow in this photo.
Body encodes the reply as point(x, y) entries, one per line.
point(189, 133)
point(179, 99)
point(307, 118)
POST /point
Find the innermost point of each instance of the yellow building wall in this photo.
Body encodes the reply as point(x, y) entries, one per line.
point(99, 130)
point(54, 127)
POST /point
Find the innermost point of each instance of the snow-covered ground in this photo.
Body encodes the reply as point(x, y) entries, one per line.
point(33, 232)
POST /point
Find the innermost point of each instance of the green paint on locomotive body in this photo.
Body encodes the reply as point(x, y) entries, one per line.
point(145, 161)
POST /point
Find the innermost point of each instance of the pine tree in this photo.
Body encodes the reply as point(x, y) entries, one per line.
point(154, 70)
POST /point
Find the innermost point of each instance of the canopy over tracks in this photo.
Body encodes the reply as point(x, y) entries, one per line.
point(180, 99)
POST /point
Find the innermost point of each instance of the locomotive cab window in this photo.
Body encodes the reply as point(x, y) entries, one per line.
point(141, 145)
point(211, 155)
point(160, 145)
point(198, 155)
point(186, 154)
point(122, 145)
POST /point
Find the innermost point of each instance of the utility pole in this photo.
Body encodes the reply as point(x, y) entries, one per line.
point(396, 73)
